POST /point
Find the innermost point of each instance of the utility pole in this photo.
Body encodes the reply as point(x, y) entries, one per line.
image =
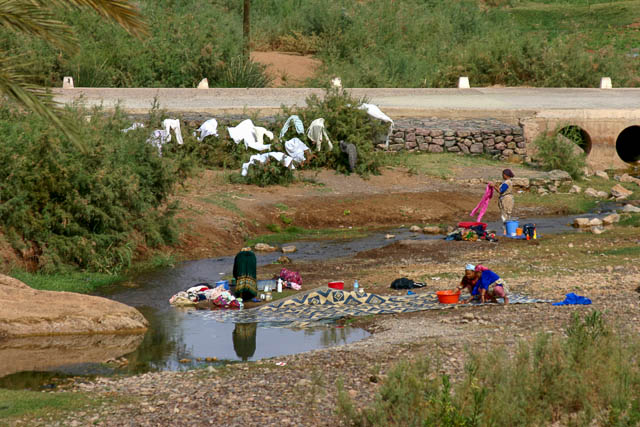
point(246, 30)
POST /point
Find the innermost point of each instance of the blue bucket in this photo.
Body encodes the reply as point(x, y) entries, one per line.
point(224, 283)
point(512, 226)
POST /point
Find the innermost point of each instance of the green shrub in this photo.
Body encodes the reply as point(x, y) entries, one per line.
point(265, 174)
point(241, 73)
point(91, 209)
point(557, 151)
point(591, 376)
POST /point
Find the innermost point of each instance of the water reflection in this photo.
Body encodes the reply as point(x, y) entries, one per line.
point(244, 340)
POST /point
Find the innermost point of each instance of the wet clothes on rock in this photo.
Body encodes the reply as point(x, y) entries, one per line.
point(244, 271)
point(505, 201)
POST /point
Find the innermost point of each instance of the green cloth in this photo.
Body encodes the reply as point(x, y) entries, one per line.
point(244, 340)
point(244, 271)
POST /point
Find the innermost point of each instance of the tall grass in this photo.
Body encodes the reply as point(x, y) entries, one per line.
point(591, 376)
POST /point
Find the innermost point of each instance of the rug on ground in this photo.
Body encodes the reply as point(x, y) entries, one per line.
point(322, 305)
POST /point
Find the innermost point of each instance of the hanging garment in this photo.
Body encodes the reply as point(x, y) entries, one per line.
point(481, 208)
point(296, 148)
point(210, 127)
point(317, 132)
point(158, 138)
point(244, 271)
point(173, 124)
point(375, 112)
point(134, 126)
point(296, 121)
point(262, 158)
point(261, 133)
point(246, 131)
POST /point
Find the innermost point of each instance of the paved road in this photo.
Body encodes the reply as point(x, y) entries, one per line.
point(396, 102)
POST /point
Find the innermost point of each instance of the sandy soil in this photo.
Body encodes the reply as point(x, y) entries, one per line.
point(287, 69)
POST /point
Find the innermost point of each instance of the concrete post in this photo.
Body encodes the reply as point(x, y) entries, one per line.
point(204, 84)
point(463, 83)
point(67, 82)
point(605, 83)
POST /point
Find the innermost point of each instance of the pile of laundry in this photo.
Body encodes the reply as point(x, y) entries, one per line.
point(290, 279)
point(471, 232)
point(218, 296)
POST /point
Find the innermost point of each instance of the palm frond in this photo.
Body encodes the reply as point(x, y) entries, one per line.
point(124, 12)
point(30, 18)
point(17, 86)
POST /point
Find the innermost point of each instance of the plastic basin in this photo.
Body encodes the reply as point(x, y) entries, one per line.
point(336, 285)
point(448, 297)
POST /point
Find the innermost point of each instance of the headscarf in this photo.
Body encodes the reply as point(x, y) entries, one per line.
point(508, 172)
point(470, 267)
point(480, 267)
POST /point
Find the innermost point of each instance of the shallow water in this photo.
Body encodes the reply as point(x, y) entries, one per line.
point(177, 334)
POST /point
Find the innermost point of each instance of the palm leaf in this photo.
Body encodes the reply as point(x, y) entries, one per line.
point(29, 18)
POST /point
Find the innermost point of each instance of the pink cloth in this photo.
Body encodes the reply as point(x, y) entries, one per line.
point(484, 203)
point(480, 267)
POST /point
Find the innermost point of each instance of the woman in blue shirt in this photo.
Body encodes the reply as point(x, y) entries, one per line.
point(505, 199)
point(489, 286)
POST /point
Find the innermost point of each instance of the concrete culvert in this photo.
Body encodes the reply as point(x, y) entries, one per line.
point(628, 144)
point(578, 136)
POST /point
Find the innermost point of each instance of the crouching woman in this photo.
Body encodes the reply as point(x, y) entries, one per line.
point(489, 286)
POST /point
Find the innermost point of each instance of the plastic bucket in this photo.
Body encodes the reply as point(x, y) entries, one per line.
point(448, 297)
point(512, 226)
point(224, 283)
point(336, 285)
point(519, 231)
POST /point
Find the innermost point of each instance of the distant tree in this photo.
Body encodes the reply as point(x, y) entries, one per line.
point(36, 18)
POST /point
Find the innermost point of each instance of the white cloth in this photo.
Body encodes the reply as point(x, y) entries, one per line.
point(246, 131)
point(295, 148)
point(158, 138)
point(210, 127)
point(173, 124)
point(317, 132)
point(134, 126)
point(297, 123)
point(261, 133)
point(262, 158)
point(375, 112)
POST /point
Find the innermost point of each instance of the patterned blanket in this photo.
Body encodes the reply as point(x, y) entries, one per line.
point(322, 305)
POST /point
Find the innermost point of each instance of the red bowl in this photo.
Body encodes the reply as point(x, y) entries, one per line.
point(336, 285)
point(448, 297)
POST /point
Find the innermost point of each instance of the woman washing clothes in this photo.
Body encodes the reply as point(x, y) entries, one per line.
point(483, 284)
point(505, 199)
point(244, 273)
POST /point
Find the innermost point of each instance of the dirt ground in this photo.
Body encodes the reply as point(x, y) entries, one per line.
point(304, 391)
point(287, 69)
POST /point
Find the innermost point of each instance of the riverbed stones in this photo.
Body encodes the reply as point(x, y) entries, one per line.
point(602, 174)
point(630, 209)
point(620, 193)
point(575, 189)
point(288, 249)
point(630, 179)
point(592, 192)
point(264, 247)
point(581, 222)
point(415, 229)
point(559, 175)
point(597, 230)
point(611, 219)
point(521, 182)
point(432, 229)
point(595, 222)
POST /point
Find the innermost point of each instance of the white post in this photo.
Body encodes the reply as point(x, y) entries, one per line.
point(605, 83)
point(204, 84)
point(463, 83)
point(67, 82)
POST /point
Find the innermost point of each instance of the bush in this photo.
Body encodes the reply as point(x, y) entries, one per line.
point(589, 377)
point(558, 151)
point(264, 174)
point(91, 207)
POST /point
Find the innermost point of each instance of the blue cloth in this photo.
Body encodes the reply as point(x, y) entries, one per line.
point(504, 187)
point(487, 278)
point(296, 122)
point(573, 299)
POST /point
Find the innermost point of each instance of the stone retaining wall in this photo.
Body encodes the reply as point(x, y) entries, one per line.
point(478, 136)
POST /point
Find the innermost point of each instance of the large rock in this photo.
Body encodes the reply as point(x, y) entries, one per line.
point(630, 209)
point(611, 219)
point(619, 192)
point(520, 182)
point(264, 247)
point(597, 230)
point(575, 189)
point(288, 249)
point(595, 193)
point(581, 222)
point(28, 312)
point(628, 178)
point(602, 174)
point(558, 175)
point(595, 222)
point(432, 229)
point(415, 229)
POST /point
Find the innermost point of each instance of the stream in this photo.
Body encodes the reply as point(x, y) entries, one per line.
point(178, 337)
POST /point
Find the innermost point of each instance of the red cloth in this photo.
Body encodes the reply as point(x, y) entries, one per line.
point(480, 267)
point(469, 224)
point(484, 203)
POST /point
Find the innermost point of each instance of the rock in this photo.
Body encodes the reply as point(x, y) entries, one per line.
point(558, 175)
point(628, 178)
point(611, 219)
point(597, 230)
point(433, 148)
point(575, 189)
point(288, 249)
point(415, 229)
point(284, 260)
point(263, 247)
point(602, 174)
point(591, 192)
point(630, 209)
point(570, 245)
point(542, 190)
point(389, 236)
point(619, 192)
point(521, 182)
point(432, 229)
point(476, 148)
point(184, 360)
point(595, 222)
point(581, 222)
point(553, 189)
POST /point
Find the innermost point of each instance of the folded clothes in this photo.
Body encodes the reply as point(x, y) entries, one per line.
point(573, 299)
